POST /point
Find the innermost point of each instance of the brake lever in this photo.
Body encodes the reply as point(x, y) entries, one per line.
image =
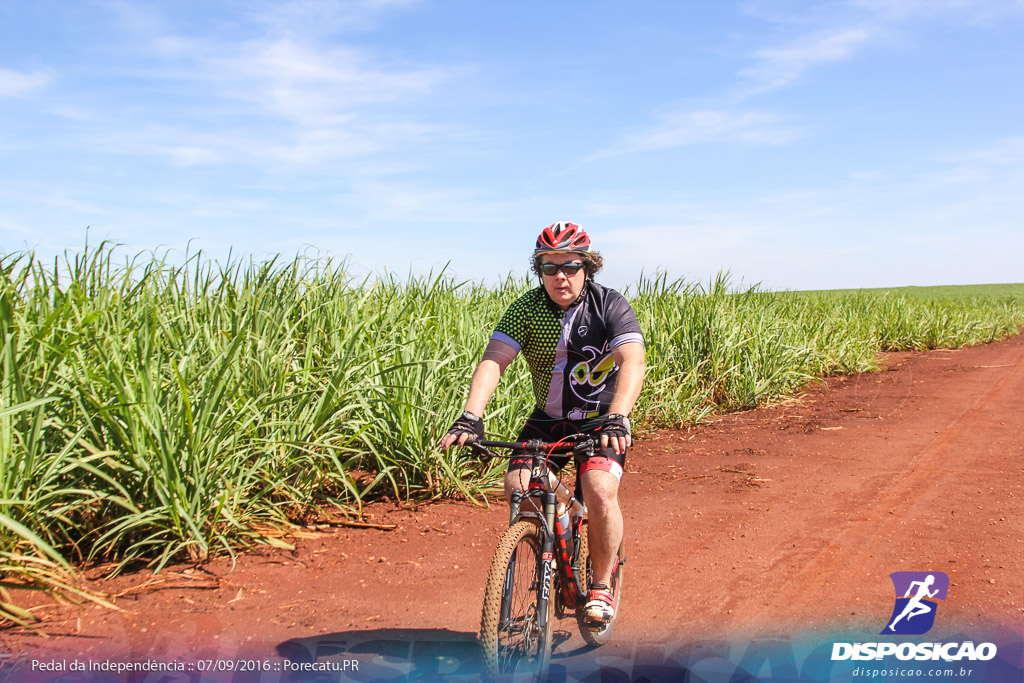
point(586, 447)
point(483, 452)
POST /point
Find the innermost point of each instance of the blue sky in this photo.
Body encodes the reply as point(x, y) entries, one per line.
point(794, 144)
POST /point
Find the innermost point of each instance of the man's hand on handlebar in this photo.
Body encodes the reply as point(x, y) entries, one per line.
point(615, 432)
point(465, 428)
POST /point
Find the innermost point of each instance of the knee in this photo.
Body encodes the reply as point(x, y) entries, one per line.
point(518, 479)
point(600, 495)
point(601, 504)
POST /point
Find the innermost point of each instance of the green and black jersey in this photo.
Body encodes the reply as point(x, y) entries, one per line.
point(570, 352)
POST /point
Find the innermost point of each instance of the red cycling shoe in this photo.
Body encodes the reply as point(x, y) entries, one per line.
point(600, 607)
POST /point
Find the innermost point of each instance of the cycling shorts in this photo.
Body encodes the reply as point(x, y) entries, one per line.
point(547, 429)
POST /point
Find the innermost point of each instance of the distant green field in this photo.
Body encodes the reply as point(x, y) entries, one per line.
point(948, 292)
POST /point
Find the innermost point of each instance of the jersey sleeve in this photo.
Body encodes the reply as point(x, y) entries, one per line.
point(513, 328)
point(623, 327)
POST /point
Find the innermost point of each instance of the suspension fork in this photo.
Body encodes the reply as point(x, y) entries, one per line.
point(546, 569)
point(548, 562)
point(546, 522)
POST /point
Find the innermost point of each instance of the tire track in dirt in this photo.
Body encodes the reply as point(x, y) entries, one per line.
point(925, 479)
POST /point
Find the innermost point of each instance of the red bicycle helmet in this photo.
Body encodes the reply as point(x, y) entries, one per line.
point(563, 236)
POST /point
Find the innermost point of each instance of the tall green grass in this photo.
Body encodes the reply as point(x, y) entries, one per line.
point(152, 411)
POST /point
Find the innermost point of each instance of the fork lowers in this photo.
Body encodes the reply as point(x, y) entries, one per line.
point(516, 624)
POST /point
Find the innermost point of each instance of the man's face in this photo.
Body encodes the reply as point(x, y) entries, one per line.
point(562, 288)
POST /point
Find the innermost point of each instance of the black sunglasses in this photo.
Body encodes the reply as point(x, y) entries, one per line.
point(569, 269)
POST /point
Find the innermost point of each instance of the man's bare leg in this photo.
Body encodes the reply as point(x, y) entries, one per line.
point(601, 496)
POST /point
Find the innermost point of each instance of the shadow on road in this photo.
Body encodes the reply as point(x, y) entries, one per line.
point(398, 654)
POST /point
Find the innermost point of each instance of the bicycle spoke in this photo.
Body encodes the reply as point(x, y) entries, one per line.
point(518, 644)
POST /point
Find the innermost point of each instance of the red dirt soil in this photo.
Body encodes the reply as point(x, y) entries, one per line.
point(770, 523)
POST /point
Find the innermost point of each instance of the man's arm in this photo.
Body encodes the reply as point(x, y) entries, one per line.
point(631, 359)
point(497, 356)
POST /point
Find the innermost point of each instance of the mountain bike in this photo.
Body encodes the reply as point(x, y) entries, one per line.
point(542, 567)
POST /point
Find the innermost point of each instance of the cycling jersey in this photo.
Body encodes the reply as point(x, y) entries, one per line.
point(569, 352)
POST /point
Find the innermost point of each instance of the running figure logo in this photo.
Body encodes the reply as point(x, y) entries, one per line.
point(916, 601)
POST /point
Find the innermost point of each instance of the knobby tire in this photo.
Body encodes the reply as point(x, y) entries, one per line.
point(515, 645)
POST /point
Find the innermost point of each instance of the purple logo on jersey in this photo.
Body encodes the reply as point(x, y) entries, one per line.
point(917, 595)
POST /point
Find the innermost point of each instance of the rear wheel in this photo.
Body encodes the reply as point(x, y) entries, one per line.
point(511, 635)
point(601, 635)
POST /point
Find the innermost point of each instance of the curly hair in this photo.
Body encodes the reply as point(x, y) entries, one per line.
point(592, 262)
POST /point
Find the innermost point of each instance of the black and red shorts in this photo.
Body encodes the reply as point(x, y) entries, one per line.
point(547, 429)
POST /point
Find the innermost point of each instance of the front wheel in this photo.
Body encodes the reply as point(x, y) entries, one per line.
point(514, 634)
point(600, 636)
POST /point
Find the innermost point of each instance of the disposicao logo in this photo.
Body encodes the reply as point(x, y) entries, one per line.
point(917, 594)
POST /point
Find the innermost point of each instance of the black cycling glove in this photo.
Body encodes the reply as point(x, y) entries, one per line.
point(468, 423)
point(613, 424)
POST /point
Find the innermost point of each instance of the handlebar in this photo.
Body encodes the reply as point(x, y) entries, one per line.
point(577, 444)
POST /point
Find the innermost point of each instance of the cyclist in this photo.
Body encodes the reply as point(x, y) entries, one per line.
point(585, 353)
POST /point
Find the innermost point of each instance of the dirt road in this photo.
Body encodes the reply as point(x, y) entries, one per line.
point(768, 524)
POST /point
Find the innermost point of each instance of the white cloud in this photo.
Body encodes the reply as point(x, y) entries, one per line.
point(190, 156)
point(838, 31)
point(776, 67)
point(999, 165)
point(1006, 152)
point(822, 34)
point(972, 11)
point(292, 93)
point(323, 16)
point(17, 83)
point(679, 128)
point(405, 202)
point(313, 87)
